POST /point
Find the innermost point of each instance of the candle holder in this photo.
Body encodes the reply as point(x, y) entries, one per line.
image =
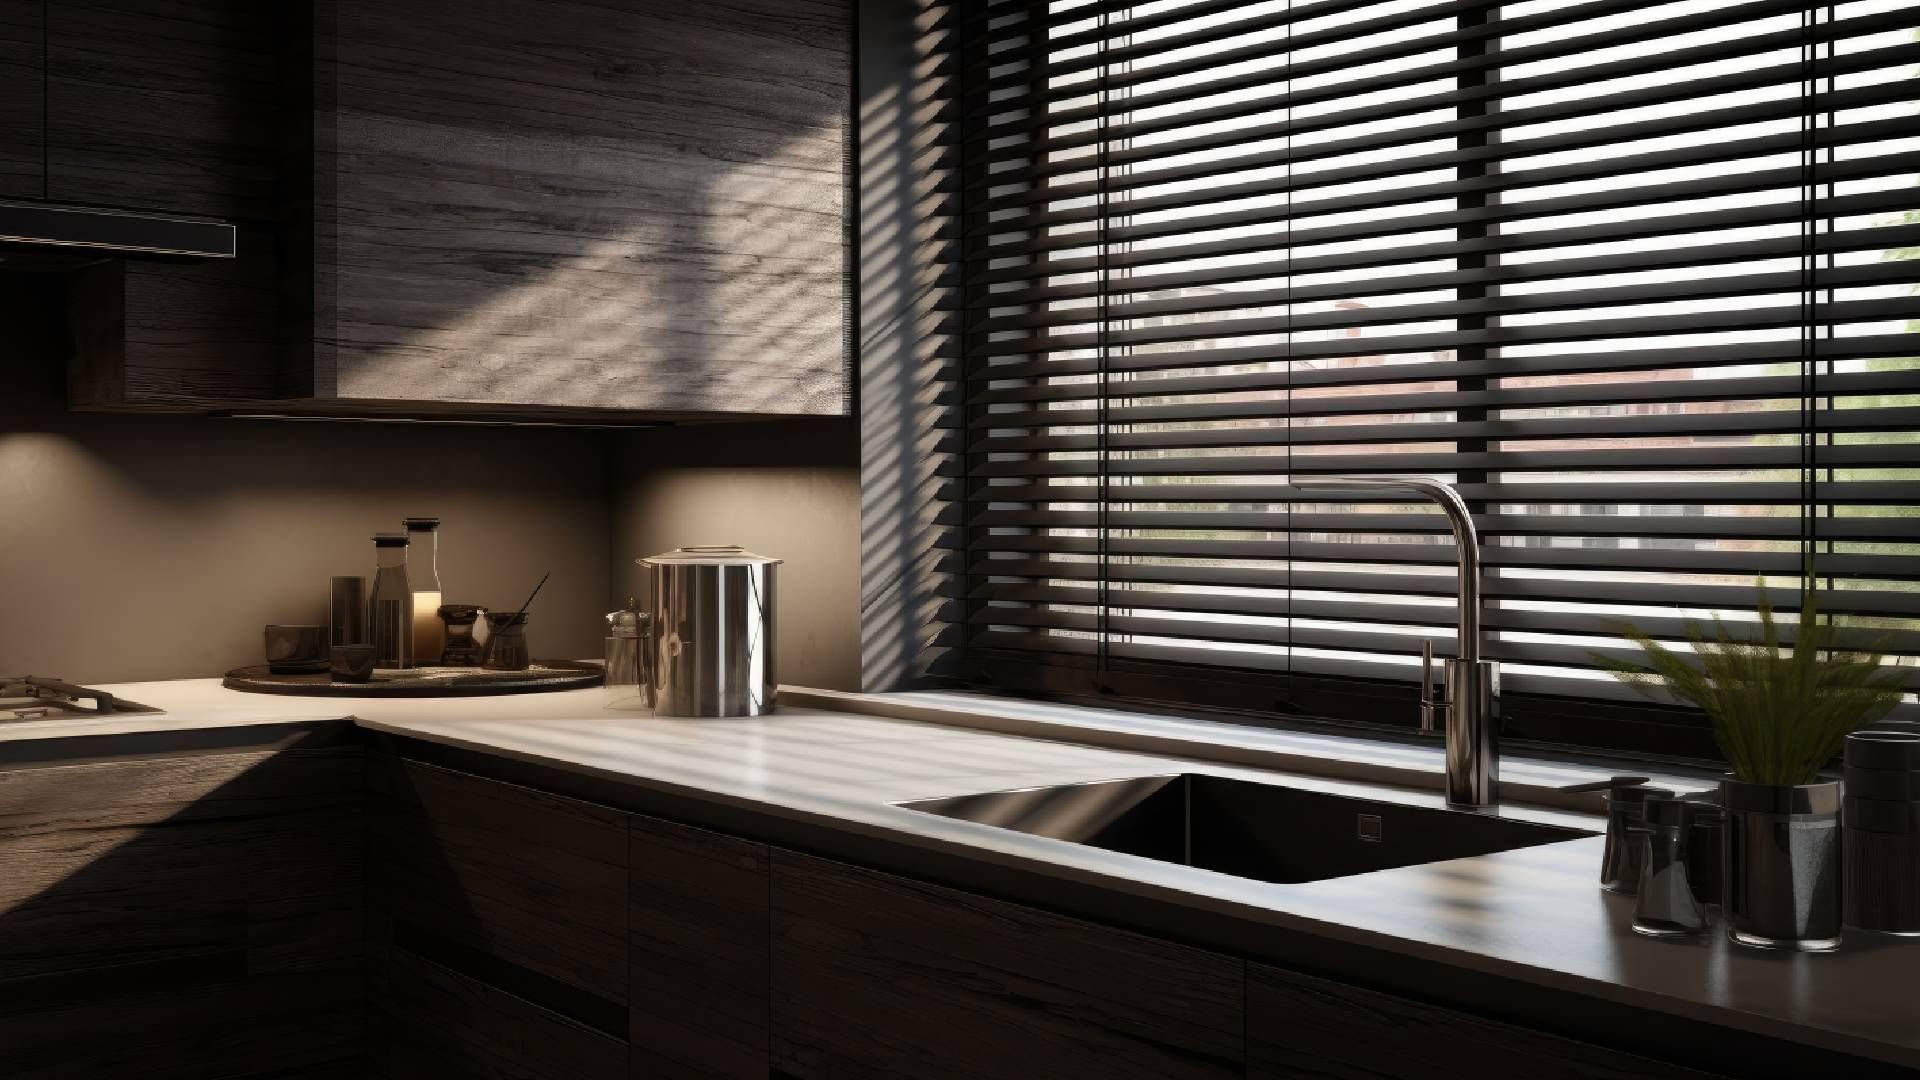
point(462, 649)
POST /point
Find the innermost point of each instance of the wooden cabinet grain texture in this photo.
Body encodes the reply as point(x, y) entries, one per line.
point(168, 105)
point(22, 134)
point(175, 106)
point(1298, 1025)
point(182, 917)
point(633, 206)
point(532, 879)
point(430, 1021)
point(497, 927)
point(878, 976)
point(186, 333)
point(699, 932)
point(552, 209)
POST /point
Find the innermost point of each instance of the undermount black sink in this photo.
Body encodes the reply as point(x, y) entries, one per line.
point(1252, 830)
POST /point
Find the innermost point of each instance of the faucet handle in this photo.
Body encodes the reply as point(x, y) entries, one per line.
point(1428, 706)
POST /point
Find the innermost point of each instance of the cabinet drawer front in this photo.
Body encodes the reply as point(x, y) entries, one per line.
point(1298, 1025)
point(877, 976)
point(537, 880)
point(429, 1021)
point(699, 931)
point(181, 917)
point(182, 1026)
point(150, 862)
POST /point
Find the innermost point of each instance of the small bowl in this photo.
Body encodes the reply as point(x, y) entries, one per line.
point(296, 650)
point(352, 663)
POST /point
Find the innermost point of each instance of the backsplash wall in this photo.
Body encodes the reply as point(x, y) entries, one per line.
point(788, 490)
point(155, 547)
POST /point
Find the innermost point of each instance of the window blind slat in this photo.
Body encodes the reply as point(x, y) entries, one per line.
point(1642, 281)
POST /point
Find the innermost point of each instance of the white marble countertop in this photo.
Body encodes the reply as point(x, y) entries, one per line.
point(1534, 914)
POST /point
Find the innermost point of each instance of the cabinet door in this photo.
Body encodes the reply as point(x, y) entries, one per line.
point(165, 104)
point(433, 1021)
point(22, 138)
point(510, 900)
point(1303, 1026)
point(187, 917)
point(698, 935)
point(575, 204)
point(877, 976)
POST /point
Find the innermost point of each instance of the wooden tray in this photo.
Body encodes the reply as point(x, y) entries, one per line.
point(542, 677)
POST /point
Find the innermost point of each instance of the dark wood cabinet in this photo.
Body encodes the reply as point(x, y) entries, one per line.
point(567, 204)
point(1298, 1025)
point(431, 1020)
point(161, 105)
point(182, 917)
point(22, 134)
point(560, 209)
point(169, 105)
point(879, 976)
point(153, 335)
point(514, 932)
point(699, 937)
point(498, 901)
point(173, 106)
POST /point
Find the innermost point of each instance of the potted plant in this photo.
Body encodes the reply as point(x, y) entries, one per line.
point(1779, 715)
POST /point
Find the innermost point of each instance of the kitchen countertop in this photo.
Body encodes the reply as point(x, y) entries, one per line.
point(1535, 915)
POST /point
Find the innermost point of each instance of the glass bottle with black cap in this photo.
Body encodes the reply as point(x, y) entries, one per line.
point(390, 608)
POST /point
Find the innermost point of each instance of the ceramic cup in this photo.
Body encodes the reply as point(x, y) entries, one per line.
point(296, 650)
point(352, 663)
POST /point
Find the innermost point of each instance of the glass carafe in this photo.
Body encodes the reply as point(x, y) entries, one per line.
point(390, 608)
point(429, 633)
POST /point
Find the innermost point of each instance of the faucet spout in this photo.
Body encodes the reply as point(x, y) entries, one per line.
point(1472, 685)
point(1466, 541)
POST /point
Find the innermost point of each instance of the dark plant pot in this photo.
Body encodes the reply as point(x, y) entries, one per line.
point(1782, 871)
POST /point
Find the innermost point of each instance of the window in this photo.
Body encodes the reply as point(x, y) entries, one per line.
point(1639, 278)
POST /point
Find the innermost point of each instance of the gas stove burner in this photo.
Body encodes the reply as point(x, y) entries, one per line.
point(35, 697)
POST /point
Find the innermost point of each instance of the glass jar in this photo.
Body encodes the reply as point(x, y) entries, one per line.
point(1665, 905)
point(507, 647)
point(390, 607)
point(429, 633)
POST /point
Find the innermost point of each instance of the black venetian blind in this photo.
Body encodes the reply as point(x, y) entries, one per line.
point(1639, 278)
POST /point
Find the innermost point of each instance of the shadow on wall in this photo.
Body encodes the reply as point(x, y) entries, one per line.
point(912, 418)
point(665, 190)
point(154, 547)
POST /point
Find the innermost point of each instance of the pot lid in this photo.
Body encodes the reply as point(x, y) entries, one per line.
point(709, 555)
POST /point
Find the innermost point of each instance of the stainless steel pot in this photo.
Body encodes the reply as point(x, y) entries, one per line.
point(710, 650)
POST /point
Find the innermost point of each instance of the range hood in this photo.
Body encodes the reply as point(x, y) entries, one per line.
point(51, 228)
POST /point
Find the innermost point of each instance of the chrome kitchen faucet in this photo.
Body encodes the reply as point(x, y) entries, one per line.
point(1471, 694)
